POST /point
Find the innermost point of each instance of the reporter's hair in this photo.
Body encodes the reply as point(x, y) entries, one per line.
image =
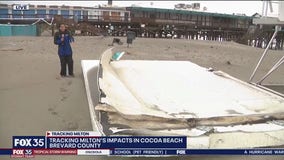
point(61, 24)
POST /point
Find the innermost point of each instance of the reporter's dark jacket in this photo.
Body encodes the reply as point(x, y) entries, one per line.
point(64, 47)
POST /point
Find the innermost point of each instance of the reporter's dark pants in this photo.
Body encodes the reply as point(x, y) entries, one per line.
point(66, 60)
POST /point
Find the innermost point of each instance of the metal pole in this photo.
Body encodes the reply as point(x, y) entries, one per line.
point(264, 53)
point(266, 8)
point(263, 3)
point(271, 70)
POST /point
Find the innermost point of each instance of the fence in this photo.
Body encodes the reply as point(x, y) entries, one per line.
point(18, 30)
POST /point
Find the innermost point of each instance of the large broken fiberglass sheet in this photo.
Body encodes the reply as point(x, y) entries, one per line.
point(181, 89)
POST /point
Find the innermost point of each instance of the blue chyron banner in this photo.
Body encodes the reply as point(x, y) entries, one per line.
point(115, 142)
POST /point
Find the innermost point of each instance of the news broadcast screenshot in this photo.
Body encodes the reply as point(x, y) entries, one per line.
point(112, 79)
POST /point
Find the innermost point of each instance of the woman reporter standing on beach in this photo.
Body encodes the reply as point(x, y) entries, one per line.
point(63, 38)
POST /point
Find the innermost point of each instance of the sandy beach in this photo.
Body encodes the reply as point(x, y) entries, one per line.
point(35, 99)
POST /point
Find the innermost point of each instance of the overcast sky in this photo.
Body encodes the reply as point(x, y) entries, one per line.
point(246, 7)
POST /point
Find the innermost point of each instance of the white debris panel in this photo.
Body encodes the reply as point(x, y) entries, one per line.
point(182, 98)
point(181, 89)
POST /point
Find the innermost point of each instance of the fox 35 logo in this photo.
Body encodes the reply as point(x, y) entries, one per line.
point(21, 153)
point(28, 142)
